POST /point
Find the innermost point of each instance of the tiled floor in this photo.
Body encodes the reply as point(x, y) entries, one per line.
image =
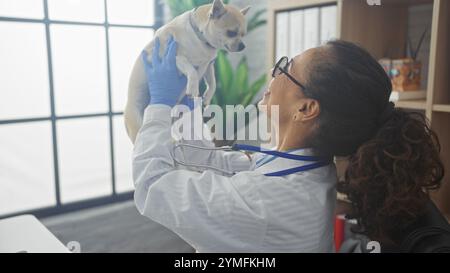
point(114, 228)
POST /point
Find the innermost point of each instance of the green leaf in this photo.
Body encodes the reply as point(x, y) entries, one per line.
point(258, 84)
point(224, 72)
point(178, 7)
point(255, 20)
point(214, 100)
point(256, 25)
point(254, 89)
point(240, 82)
point(218, 97)
point(198, 3)
point(257, 14)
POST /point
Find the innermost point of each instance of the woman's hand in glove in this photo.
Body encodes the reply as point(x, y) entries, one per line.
point(165, 83)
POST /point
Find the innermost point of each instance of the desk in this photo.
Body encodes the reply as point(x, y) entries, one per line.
point(26, 234)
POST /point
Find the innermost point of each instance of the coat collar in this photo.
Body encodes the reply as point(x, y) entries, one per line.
point(267, 163)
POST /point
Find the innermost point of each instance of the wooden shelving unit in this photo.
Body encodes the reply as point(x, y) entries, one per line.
point(438, 100)
point(441, 108)
point(412, 104)
point(380, 29)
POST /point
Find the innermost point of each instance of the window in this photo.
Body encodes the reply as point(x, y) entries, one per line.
point(23, 190)
point(302, 29)
point(65, 66)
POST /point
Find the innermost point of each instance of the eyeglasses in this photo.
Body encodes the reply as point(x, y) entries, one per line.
point(282, 67)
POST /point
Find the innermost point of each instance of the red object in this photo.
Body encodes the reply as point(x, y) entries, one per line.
point(339, 231)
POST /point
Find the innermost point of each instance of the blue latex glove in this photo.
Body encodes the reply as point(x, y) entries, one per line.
point(165, 83)
point(188, 101)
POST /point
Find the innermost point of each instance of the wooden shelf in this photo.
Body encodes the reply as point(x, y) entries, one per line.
point(406, 2)
point(412, 104)
point(441, 108)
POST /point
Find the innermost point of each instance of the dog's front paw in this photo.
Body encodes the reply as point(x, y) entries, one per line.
point(208, 96)
point(207, 99)
point(192, 90)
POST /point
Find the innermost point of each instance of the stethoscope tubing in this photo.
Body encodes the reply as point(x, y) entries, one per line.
point(318, 161)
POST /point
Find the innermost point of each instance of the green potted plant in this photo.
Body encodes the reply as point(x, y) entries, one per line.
point(233, 86)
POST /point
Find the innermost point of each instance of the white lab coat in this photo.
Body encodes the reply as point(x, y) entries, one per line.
point(247, 212)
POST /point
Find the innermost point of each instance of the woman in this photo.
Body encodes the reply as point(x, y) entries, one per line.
point(333, 101)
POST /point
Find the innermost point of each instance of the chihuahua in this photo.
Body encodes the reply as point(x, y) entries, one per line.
point(200, 33)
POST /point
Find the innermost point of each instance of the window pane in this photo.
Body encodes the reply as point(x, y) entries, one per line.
point(26, 167)
point(123, 149)
point(84, 158)
point(295, 33)
point(79, 69)
point(282, 40)
point(126, 45)
point(24, 71)
point(311, 28)
point(328, 24)
point(22, 8)
point(77, 10)
point(131, 12)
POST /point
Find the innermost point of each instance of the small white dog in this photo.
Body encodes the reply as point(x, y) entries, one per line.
point(199, 34)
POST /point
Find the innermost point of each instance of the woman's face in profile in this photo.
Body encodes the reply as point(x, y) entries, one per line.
point(283, 92)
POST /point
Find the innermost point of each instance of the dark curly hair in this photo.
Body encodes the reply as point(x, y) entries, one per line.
point(393, 154)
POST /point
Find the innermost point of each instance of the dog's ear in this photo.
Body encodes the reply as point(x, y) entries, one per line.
point(245, 10)
point(217, 10)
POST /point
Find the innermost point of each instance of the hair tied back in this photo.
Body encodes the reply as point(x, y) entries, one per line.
point(386, 114)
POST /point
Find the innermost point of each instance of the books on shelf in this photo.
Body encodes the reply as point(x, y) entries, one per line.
point(408, 95)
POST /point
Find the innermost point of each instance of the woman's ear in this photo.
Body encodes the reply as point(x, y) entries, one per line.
point(307, 110)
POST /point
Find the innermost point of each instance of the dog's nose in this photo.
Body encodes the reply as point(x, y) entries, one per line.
point(241, 46)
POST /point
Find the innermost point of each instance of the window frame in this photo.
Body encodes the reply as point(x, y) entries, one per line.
point(53, 118)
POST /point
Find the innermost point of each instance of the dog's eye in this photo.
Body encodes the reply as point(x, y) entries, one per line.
point(232, 33)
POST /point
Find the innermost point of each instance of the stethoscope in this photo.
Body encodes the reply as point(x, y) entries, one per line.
point(317, 161)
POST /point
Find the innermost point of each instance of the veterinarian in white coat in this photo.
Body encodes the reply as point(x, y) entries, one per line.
point(249, 211)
